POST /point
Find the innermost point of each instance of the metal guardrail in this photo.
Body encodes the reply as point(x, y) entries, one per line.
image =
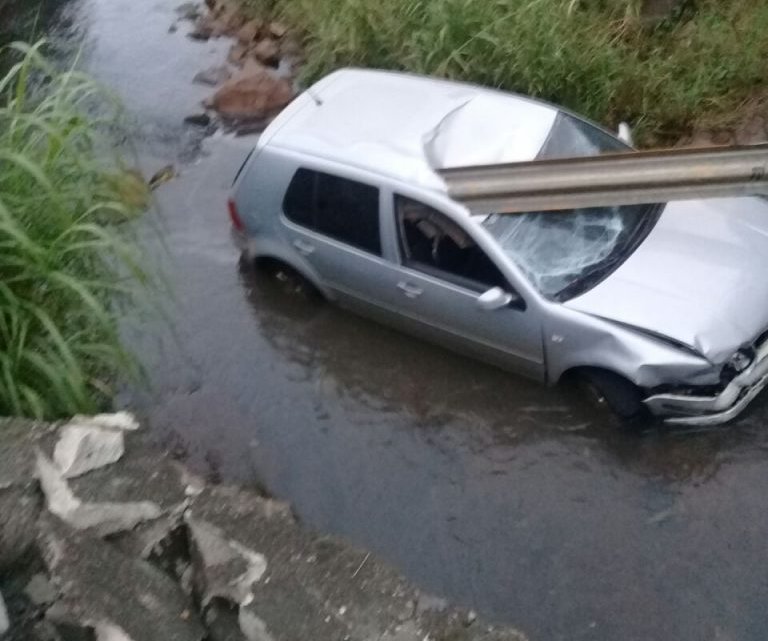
point(612, 179)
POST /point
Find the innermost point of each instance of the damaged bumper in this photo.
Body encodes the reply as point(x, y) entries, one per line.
point(681, 409)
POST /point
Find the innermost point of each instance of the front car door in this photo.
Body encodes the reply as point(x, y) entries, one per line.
point(442, 273)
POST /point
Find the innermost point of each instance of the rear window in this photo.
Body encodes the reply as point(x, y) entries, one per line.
point(342, 209)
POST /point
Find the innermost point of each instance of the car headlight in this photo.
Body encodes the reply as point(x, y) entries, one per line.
point(741, 360)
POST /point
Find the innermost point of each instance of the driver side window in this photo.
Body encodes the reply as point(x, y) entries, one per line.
point(432, 243)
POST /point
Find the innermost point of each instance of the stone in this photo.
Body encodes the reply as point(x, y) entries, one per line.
point(188, 11)
point(277, 29)
point(104, 518)
point(249, 31)
point(213, 76)
point(40, 591)
point(252, 93)
point(119, 596)
point(237, 54)
point(82, 448)
point(198, 120)
point(267, 51)
point(224, 568)
point(5, 623)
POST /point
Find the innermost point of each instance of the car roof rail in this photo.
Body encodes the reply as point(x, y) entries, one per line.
point(625, 178)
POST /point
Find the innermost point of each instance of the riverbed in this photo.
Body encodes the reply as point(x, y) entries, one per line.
point(520, 502)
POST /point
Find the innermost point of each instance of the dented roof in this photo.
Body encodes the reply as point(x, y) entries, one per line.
point(406, 127)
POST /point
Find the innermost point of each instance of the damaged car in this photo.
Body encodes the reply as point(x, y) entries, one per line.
point(660, 308)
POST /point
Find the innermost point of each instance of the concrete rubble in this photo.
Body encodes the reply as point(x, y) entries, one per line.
point(145, 550)
point(88, 443)
point(4, 622)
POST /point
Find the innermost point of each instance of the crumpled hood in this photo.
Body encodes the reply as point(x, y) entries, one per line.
point(700, 277)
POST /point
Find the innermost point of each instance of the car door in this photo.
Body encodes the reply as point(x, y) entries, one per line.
point(333, 222)
point(442, 274)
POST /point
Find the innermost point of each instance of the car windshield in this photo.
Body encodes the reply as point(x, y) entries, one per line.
point(565, 253)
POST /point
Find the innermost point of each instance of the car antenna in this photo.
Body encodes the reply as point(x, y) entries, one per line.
point(317, 100)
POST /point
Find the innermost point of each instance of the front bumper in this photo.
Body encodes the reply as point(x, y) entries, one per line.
point(681, 409)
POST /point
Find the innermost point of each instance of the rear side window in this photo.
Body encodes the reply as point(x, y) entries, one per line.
point(343, 209)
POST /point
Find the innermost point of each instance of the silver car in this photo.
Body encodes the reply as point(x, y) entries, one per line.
point(660, 308)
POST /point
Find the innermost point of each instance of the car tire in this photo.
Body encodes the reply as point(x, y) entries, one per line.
point(607, 389)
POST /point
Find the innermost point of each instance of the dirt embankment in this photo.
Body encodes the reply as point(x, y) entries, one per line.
point(104, 537)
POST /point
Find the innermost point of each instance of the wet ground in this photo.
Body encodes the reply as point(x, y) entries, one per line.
point(518, 501)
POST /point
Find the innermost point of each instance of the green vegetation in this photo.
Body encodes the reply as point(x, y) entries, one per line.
point(597, 57)
point(67, 264)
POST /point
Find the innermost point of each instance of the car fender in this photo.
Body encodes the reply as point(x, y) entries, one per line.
point(574, 340)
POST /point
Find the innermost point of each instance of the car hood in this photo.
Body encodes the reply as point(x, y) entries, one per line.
point(700, 277)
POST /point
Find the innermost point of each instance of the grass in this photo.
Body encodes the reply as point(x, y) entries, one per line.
point(597, 57)
point(67, 262)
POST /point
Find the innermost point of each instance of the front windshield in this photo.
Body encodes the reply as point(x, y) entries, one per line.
point(565, 253)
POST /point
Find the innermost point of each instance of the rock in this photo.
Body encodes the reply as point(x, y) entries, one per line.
point(248, 32)
point(213, 76)
point(203, 29)
point(198, 120)
point(188, 11)
point(173, 28)
point(40, 591)
point(223, 567)
point(20, 508)
point(237, 54)
point(267, 51)
point(252, 627)
point(252, 93)
point(120, 597)
point(82, 448)
point(104, 518)
point(277, 29)
point(5, 623)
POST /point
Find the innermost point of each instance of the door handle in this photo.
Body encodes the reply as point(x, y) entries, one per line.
point(303, 247)
point(411, 291)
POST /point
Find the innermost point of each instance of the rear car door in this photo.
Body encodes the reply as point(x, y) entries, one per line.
point(442, 273)
point(334, 224)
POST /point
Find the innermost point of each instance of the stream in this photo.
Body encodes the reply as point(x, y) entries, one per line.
point(503, 496)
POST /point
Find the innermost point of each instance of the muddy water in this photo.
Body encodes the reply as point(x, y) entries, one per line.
point(515, 500)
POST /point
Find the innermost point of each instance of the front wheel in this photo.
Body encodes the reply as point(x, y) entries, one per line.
point(621, 396)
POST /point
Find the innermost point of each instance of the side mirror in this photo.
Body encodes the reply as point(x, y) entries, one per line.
point(625, 134)
point(495, 298)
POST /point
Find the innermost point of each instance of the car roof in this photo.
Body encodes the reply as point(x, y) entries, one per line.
point(405, 126)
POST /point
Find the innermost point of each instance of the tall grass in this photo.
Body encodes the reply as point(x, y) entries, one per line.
point(67, 263)
point(598, 57)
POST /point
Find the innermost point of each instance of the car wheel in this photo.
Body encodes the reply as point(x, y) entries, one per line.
point(610, 390)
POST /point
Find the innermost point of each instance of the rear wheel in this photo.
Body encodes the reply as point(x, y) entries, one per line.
point(615, 392)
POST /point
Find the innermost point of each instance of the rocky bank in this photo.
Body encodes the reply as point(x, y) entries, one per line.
point(105, 537)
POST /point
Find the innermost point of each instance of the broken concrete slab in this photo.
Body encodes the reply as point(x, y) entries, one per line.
point(113, 593)
point(104, 518)
point(5, 623)
point(82, 448)
point(40, 591)
point(223, 567)
point(20, 508)
point(321, 588)
point(18, 440)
